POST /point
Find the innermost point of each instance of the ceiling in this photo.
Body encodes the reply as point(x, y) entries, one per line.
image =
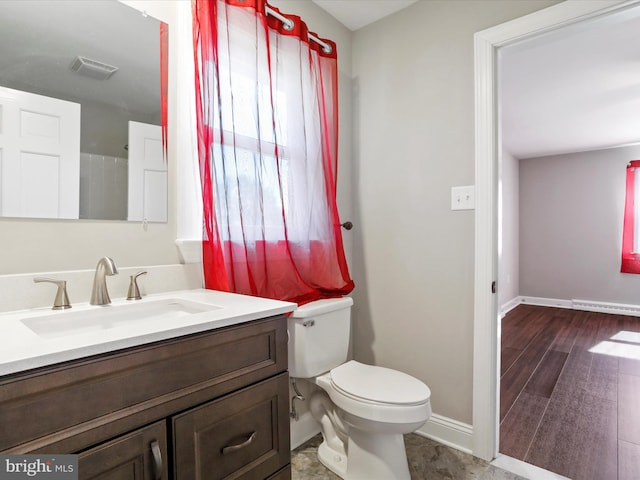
point(355, 14)
point(573, 89)
point(40, 39)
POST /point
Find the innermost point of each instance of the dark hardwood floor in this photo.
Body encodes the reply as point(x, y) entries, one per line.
point(570, 392)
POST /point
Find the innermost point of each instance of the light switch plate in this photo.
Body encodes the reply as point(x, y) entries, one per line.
point(463, 198)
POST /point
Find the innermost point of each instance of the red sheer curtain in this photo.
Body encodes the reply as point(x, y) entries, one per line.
point(630, 255)
point(164, 82)
point(266, 101)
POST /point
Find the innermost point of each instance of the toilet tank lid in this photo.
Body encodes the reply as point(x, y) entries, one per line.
point(318, 307)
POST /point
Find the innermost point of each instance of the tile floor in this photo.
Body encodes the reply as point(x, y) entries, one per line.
point(428, 460)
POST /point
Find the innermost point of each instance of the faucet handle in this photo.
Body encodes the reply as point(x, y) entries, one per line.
point(61, 301)
point(134, 291)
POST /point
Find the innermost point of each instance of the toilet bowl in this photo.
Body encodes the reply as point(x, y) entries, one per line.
point(363, 410)
point(376, 406)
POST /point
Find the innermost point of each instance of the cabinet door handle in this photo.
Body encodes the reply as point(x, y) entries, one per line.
point(157, 460)
point(234, 448)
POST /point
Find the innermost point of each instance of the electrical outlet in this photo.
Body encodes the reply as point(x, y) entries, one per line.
point(463, 198)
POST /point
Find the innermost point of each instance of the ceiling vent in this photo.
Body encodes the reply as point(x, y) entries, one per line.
point(92, 68)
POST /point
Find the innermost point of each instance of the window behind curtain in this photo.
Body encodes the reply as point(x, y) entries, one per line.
point(631, 231)
point(268, 144)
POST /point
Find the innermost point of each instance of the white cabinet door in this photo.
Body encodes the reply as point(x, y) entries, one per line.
point(39, 156)
point(147, 174)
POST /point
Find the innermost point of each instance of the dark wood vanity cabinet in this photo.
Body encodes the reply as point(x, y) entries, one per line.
point(140, 455)
point(212, 405)
point(235, 436)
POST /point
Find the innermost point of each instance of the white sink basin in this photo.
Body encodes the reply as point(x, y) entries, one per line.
point(39, 337)
point(65, 323)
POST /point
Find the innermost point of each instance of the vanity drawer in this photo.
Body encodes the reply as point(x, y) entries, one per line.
point(141, 455)
point(238, 436)
point(284, 474)
point(65, 408)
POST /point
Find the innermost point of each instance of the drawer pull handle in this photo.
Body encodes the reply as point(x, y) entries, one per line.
point(235, 448)
point(157, 460)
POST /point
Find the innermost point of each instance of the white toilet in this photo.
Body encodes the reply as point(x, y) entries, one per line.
point(363, 410)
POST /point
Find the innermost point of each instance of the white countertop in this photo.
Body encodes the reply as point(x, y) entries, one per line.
point(21, 348)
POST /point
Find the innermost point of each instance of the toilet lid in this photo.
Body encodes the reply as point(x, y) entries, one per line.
point(379, 384)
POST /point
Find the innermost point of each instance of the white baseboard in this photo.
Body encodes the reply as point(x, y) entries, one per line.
point(605, 307)
point(586, 305)
point(546, 302)
point(525, 470)
point(303, 429)
point(510, 305)
point(444, 430)
point(449, 432)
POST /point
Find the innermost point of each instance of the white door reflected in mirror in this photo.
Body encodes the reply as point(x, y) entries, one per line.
point(39, 156)
point(147, 174)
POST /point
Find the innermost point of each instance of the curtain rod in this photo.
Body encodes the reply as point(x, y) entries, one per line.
point(288, 25)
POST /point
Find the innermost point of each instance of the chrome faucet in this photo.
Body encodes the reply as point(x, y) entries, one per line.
point(61, 301)
point(99, 293)
point(134, 290)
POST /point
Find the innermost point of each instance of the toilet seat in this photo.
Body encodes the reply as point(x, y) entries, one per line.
point(370, 399)
point(378, 385)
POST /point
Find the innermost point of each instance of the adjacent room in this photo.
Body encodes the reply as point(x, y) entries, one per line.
point(570, 351)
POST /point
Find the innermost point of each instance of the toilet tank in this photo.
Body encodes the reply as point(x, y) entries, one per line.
point(319, 336)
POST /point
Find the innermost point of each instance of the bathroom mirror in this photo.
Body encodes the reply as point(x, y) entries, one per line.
point(80, 111)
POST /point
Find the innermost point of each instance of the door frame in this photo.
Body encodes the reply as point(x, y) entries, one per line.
point(486, 398)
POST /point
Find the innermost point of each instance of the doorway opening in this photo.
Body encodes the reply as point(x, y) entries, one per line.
point(489, 43)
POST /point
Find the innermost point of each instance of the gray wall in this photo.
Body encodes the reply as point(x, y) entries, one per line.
point(509, 247)
point(105, 129)
point(413, 130)
point(571, 211)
